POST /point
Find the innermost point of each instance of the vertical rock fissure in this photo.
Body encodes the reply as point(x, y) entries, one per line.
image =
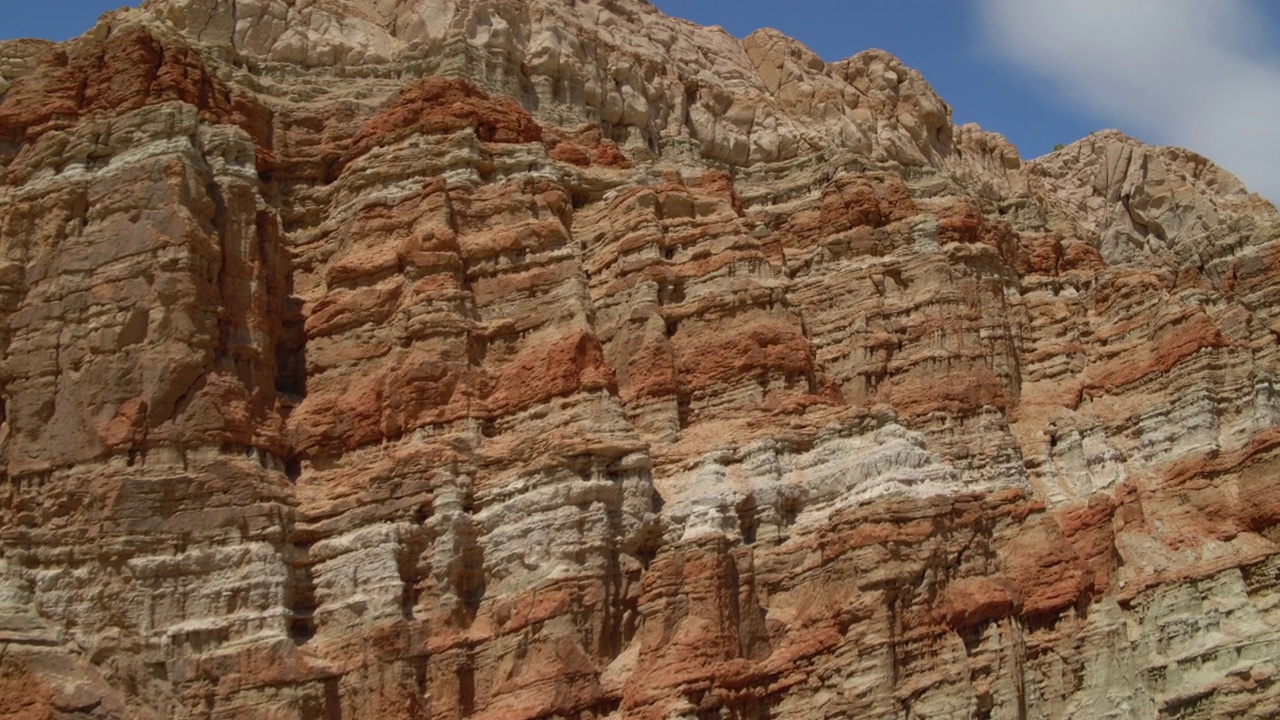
point(291, 352)
point(300, 596)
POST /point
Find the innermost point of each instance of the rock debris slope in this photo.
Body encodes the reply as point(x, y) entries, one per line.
point(558, 359)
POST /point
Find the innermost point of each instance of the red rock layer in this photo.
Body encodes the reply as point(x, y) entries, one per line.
point(362, 389)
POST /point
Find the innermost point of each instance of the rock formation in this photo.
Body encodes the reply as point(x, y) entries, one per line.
point(558, 359)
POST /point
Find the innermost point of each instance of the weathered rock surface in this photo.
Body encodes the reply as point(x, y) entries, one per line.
point(543, 359)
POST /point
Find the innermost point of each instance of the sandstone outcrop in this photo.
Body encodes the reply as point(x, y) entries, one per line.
point(543, 359)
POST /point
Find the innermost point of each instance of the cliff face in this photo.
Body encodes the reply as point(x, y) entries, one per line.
point(544, 359)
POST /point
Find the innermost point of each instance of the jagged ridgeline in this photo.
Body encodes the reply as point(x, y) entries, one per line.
point(546, 359)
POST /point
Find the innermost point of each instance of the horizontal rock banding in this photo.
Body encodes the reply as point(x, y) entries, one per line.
point(532, 359)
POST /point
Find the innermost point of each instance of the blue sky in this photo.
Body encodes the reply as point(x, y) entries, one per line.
point(1204, 74)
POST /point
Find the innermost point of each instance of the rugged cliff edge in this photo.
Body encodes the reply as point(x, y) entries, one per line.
point(558, 359)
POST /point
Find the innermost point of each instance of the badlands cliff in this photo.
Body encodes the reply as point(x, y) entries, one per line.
point(557, 359)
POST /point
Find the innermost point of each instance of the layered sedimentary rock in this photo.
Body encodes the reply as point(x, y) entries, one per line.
point(553, 359)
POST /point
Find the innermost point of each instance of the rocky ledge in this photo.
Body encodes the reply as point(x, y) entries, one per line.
point(559, 359)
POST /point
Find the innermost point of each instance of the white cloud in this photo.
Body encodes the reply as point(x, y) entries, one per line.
point(1195, 73)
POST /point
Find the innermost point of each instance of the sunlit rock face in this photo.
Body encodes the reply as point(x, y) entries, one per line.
point(558, 359)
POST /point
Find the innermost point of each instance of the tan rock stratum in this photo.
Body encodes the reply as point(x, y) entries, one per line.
point(558, 359)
